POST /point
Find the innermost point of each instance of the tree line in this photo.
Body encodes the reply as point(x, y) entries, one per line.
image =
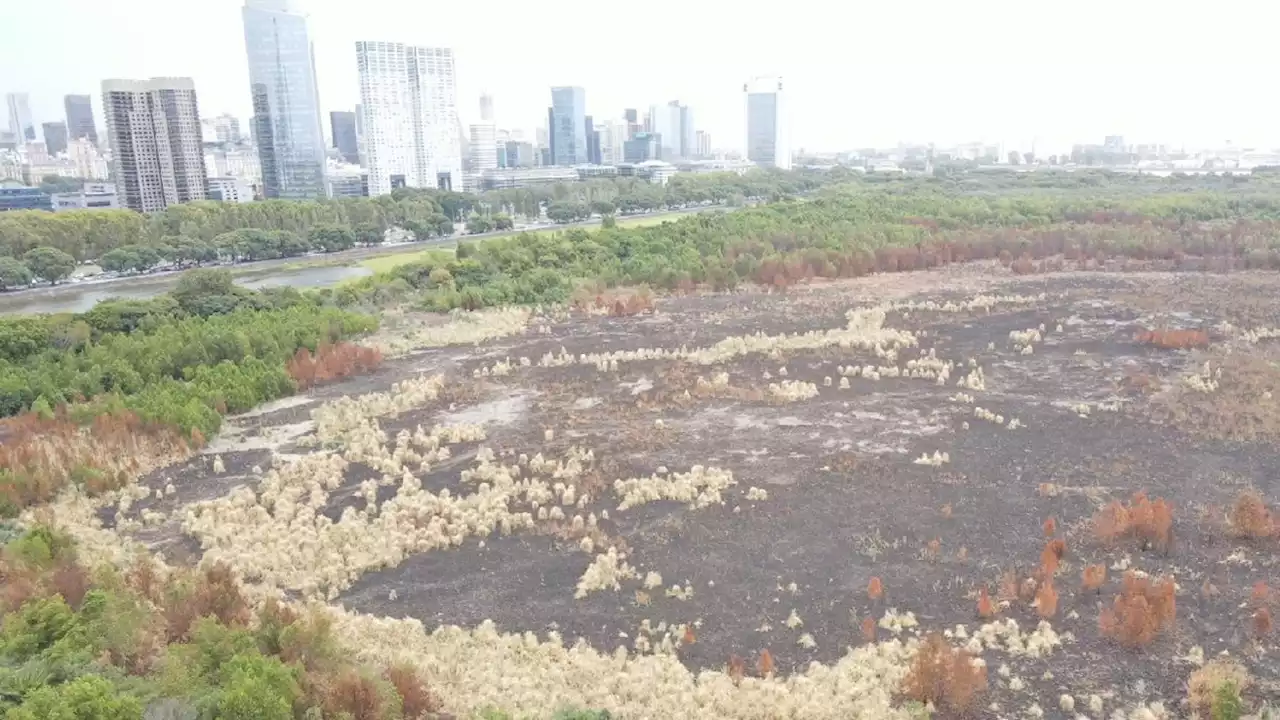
point(195, 233)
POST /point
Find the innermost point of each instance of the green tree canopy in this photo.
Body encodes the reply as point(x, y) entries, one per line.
point(49, 264)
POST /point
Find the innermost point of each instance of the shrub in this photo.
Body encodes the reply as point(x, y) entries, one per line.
point(869, 629)
point(1050, 527)
point(1250, 517)
point(1047, 600)
point(1205, 684)
point(945, 676)
point(1143, 609)
point(875, 588)
point(1262, 622)
point(736, 670)
point(1148, 521)
point(1093, 576)
point(1173, 339)
point(331, 362)
point(986, 608)
point(764, 665)
point(358, 696)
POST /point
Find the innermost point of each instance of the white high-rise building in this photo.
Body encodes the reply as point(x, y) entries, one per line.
point(482, 145)
point(767, 130)
point(408, 103)
point(613, 138)
point(20, 122)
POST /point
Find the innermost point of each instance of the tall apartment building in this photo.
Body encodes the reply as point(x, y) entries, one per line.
point(567, 126)
point(154, 130)
point(342, 125)
point(80, 120)
point(221, 130)
point(767, 139)
point(408, 98)
point(286, 102)
point(55, 137)
point(702, 142)
point(20, 122)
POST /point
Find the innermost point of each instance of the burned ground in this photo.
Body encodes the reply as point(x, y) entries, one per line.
point(1099, 417)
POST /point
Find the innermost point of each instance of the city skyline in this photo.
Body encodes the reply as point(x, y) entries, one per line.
point(909, 85)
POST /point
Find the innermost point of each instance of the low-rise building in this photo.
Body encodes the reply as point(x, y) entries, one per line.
point(348, 184)
point(230, 189)
point(93, 196)
point(525, 177)
point(14, 196)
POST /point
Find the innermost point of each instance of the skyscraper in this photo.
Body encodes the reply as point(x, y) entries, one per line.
point(286, 105)
point(674, 122)
point(20, 122)
point(767, 144)
point(631, 117)
point(55, 137)
point(154, 130)
point(80, 120)
point(593, 141)
point(408, 99)
point(345, 139)
point(483, 145)
point(568, 126)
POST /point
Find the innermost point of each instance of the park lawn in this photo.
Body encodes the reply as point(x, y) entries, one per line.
point(389, 262)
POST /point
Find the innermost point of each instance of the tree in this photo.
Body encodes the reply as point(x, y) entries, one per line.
point(90, 697)
point(502, 221)
point(49, 264)
point(332, 238)
point(206, 292)
point(603, 207)
point(118, 260)
point(478, 224)
point(368, 234)
point(13, 274)
point(444, 226)
point(608, 221)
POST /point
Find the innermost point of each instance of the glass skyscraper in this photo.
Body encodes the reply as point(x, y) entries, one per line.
point(568, 126)
point(286, 103)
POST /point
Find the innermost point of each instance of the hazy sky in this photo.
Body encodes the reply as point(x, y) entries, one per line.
point(857, 73)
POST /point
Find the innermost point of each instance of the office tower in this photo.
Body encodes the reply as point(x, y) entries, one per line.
point(613, 136)
point(644, 146)
point(408, 100)
point(154, 130)
point(631, 117)
point(20, 123)
point(55, 137)
point(567, 118)
point(80, 120)
point(593, 141)
point(674, 123)
point(483, 146)
point(767, 144)
point(226, 129)
point(286, 104)
point(343, 126)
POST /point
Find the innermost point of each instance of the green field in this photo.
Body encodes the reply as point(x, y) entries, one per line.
point(388, 262)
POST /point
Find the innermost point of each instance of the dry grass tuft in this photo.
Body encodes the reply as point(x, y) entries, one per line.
point(1143, 609)
point(945, 676)
point(1173, 339)
point(1148, 521)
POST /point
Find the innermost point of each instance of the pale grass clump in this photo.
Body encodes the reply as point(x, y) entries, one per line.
point(652, 580)
point(1206, 381)
point(1256, 335)
point(1022, 339)
point(606, 572)
point(961, 398)
point(1014, 424)
point(680, 593)
point(793, 620)
point(1006, 636)
point(755, 493)
point(401, 333)
point(895, 622)
point(792, 391)
point(698, 488)
point(938, 459)
point(502, 368)
point(348, 419)
point(282, 539)
point(977, 302)
point(529, 677)
point(985, 414)
point(807, 642)
point(975, 380)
